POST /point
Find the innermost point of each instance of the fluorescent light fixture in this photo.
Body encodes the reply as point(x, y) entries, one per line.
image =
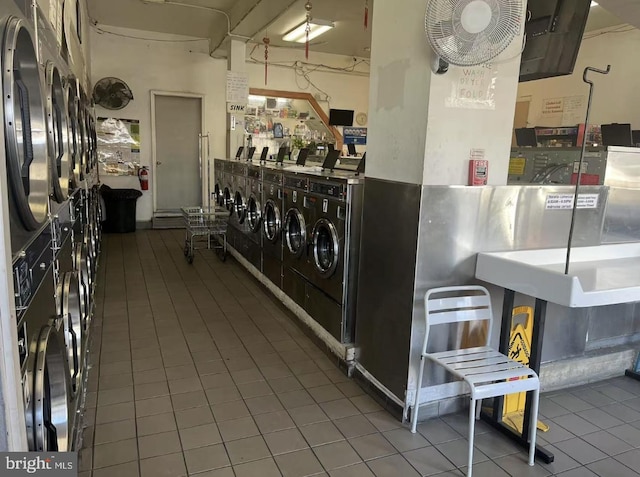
point(282, 100)
point(299, 33)
point(594, 4)
point(257, 99)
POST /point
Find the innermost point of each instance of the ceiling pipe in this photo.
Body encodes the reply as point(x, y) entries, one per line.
point(199, 7)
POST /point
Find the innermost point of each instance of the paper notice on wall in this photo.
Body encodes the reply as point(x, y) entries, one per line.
point(552, 109)
point(575, 110)
point(473, 87)
point(565, 201)
point(237, 87)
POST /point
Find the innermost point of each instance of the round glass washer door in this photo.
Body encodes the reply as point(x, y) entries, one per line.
point(272, 223)
point(58, 128)
point(227, 200)
point(74, 134)
point(254, 213)
point(295, 232)
point(48, 408)
point(326, 247)
point(25, 125)
point(240, 207)
point(71, 312)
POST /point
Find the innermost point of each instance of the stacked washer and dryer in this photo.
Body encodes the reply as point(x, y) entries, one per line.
point(48, 174)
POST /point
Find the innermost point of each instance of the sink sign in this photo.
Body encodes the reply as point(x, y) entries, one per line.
point(236, 108)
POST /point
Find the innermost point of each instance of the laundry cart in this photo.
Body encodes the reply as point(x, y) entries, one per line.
point(201, 225)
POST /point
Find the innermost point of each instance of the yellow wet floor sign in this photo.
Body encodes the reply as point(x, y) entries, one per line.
point(520, 351)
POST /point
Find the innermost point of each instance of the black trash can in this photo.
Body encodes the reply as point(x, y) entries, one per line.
point(120, 205)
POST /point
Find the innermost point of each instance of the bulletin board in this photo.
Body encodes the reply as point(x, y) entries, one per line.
point(118, 146)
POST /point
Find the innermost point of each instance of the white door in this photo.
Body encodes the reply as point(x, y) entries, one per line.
point(178, 122)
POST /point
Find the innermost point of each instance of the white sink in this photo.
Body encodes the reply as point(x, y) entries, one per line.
point(602, 275)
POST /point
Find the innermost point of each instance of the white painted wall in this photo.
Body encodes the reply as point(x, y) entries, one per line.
point(183, 65)
point(616, 97)
point(415, 137)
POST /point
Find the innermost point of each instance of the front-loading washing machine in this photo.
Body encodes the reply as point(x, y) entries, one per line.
point(253, 217)
point(218, 179)
point(334, 241)
point(295, 236)
point(272, 216)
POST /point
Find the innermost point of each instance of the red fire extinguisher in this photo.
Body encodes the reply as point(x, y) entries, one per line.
point(143, 175)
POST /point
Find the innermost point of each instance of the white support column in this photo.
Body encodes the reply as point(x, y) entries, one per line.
point(235, 122)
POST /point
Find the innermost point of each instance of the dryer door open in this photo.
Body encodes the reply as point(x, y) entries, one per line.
point(272, 224)
point(58, 129)
point(326, 248)
point(295, 232)
point(82, 265)
point(25, 125)
point(71, 313)
point(48, 409)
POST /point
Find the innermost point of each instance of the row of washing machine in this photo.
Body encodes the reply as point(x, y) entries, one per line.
point(300, 227)
point(50, 178)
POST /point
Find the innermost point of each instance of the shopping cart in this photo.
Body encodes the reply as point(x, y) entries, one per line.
point(201, 225)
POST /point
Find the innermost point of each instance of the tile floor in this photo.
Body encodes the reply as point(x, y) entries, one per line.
point(197, 372)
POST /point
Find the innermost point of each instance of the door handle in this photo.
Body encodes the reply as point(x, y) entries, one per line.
point(158, 163)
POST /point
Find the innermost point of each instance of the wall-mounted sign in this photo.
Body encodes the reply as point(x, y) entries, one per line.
point(565, 201)
point(236, 108)
point(472, 87)
point(118, 146)
point(357, 136)
point(237, 87)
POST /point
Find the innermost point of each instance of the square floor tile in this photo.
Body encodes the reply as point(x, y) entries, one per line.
point(156, 424)
point(305, 415)
point(115, 412)
point(611, 467)
point(622, 412)
point(629, 434)
point(274, 421)
point(184, 371)
point(288, 440)
point(358, 470)
point(146, 364)
point(146, 377)
point(246, 374)
point(483, 469)
point(263, 404)
point(216, 381)
point(313, 380)
point(355, 426)
point(196, 416)
point(571, 402)
point(321, 433)
point(189, 400)
point(631, 459)
point(130, 469)
point(187, 385)
point(296, 398)
point(115, 396)
point(170, 465)
point(114, 453)
point(254, 389)
point(350, 389)
point(336, 455)
point(229, 410)
point(298, 464)
point(495, 445)
point(339, 409)
point(600, 418)
point(206, 458)
point(247, 450)
point(275, 371)
point(429, 461)
point(115, 368)
point(200, 436)
point(366, 404)
point(210, 367)
point(457, 452)
point(283, 385)
point(392, 466)
point(159, 444)
point(115, 431)
point(222, 395)
point(151, 390)
point(115, 381)
point(581, 451)
point(260, 468)
point(328, 392)
point(607, 443)
point(404, 440)
point(383, 421)
point(576, 424)
point(372, 446)
point(238, 429)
